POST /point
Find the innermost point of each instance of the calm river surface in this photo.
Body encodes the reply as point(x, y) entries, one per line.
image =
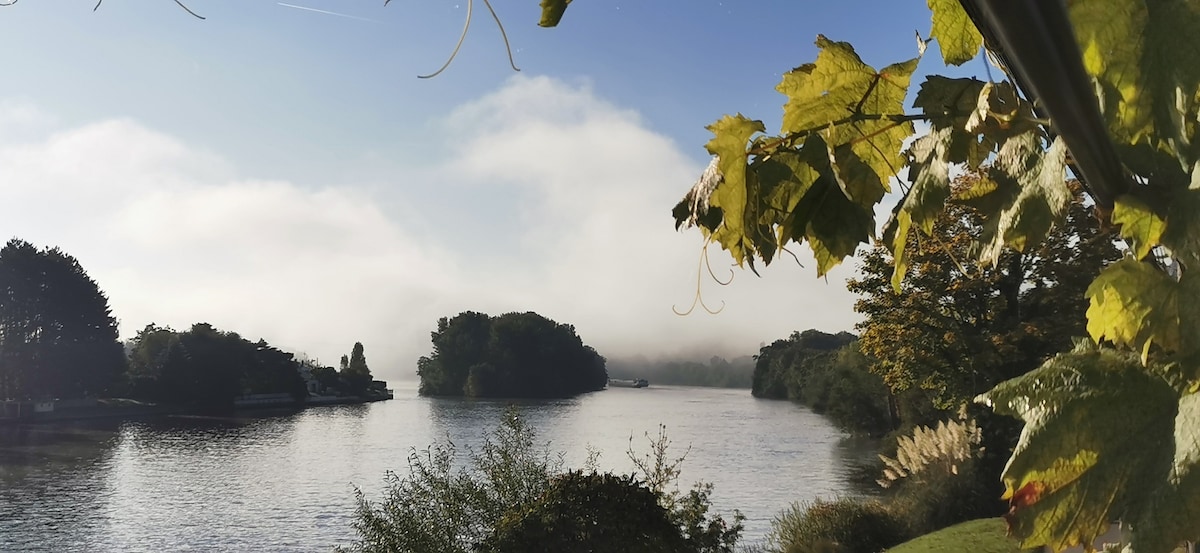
point(285, 482)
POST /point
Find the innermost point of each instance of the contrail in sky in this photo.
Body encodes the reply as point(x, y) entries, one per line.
point(347, 16)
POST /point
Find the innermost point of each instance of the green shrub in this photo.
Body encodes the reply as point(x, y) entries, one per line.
point(515, 496)
point(593, 513)
point(438, 507)
point(688, 511)
point(838, 526)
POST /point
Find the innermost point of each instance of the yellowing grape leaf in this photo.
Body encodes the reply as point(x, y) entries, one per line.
point(1134, 304)
point(552, 12)
point(1098, 436)
point(956, 35)
point(897, 238)
point(1146, 61)
point(839, 86)
point(1141, 227)
point(730, 136)
point(929, 173)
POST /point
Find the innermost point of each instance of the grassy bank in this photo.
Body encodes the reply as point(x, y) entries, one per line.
point(987, 535)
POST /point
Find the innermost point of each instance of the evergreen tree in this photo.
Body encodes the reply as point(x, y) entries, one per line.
point(355, 372)
point(58, 337)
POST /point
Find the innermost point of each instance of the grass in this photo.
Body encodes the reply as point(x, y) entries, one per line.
point(986, 535)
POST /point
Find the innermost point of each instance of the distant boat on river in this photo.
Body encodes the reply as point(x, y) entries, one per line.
point(635, 383)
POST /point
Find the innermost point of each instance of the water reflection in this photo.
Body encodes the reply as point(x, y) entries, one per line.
point(284, 482)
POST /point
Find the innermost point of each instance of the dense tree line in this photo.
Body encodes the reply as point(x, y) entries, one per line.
point(58, 338)
point(828, 373)
point(512, 355)
point(718, 372)
point(207, 367)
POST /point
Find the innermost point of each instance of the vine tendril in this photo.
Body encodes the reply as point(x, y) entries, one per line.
point(462, 37)
point(698, 299)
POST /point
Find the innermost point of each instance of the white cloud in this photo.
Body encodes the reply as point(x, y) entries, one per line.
point(578, 193)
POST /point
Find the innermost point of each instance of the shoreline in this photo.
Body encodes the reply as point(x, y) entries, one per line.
point(128, 409)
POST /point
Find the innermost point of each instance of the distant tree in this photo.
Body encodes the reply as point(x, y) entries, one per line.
point(58, 337)
point(830, 374)
point(355, 374)
point(781, 366)
point(344, 365)
point(718, 372)
point(207, 367)
point(148, 352)
point(327, 377)
point(512, 355)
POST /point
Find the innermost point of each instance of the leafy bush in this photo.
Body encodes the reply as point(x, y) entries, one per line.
point(689, 512)
point(515, 496)
point(592, 512)
point(441, 508)
point(838, 526)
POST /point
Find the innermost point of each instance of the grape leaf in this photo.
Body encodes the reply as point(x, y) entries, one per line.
point(1136, 305)
point(956, 35)
point(858, 181)
point(1182, 234)
point(897, 238)
point(1024, 195)
point(784, 178)
point(552, 12)
point(833, 225)
point(730, 136)
point(837, 225)
point(1140, 226)
point(1147, 68)
point(1174, 504)
point(929, 173)
point(838, 86)
point(1098, 429)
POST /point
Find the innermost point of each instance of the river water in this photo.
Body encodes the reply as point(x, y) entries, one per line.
point(285, 482)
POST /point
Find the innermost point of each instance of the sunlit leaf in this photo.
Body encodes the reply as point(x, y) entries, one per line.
point(956, 35)
point(1141, 227)
point(897, 239)
point(1097, 427)
point(1136, 305)
point(1146, 61)
point(839, 86)
point(730, 137)
point(552, 12)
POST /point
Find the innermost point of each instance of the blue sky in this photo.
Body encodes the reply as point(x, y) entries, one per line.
point(283, 173)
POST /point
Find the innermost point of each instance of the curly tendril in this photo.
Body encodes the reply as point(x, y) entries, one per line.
point(462, 37)
point(698, 299)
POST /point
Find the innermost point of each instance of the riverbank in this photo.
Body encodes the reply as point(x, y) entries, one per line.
point(13, 412)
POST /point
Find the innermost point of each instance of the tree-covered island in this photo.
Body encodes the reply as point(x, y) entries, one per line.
point(511, 355)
